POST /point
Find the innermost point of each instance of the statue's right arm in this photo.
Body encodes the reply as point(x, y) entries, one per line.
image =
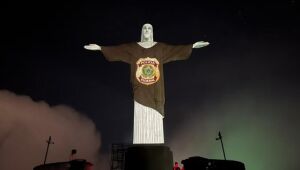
point(93, 47)
point(112, 53)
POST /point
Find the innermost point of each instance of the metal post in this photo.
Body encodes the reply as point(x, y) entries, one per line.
point(220, 138)
point(48, 143)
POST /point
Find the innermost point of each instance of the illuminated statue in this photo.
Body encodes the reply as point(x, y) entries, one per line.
point(146, 59)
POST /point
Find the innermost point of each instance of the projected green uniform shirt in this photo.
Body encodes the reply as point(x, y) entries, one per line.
point(147, 76)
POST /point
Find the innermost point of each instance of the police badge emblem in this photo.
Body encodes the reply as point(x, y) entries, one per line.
point(147, 71)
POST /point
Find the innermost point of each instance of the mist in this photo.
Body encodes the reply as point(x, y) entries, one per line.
point(259, 127)
point(25, 125)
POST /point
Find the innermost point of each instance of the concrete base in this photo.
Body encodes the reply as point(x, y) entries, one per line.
point(148, 157)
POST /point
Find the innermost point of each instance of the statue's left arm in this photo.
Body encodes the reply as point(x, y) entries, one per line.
point(200, 44)
point(180, 52)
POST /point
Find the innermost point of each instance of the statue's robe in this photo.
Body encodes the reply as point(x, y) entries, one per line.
point(147, 80)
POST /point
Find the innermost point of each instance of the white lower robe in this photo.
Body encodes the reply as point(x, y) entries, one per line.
point(147, 126)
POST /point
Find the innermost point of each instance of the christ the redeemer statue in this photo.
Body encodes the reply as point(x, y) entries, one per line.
point(146, 59)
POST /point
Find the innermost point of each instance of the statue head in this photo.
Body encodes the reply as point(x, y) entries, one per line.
point(147, 33)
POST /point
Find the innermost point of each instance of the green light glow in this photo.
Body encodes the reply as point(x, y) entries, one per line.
point(261, 134)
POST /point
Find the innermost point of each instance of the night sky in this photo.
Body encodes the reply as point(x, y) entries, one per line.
point(244, 84)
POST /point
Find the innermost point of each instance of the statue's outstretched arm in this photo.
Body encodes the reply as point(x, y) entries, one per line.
point(92, 47)
point(200, 44)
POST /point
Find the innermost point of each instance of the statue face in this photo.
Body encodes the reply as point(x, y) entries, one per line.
point(147, 31)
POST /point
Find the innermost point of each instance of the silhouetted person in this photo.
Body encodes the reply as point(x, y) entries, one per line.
point(73, 154)
point(176, 166)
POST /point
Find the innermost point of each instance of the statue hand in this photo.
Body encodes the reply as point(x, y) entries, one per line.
point(200, 44)
point(92, 47)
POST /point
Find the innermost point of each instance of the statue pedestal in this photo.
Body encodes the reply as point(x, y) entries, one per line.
point(148, 157)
